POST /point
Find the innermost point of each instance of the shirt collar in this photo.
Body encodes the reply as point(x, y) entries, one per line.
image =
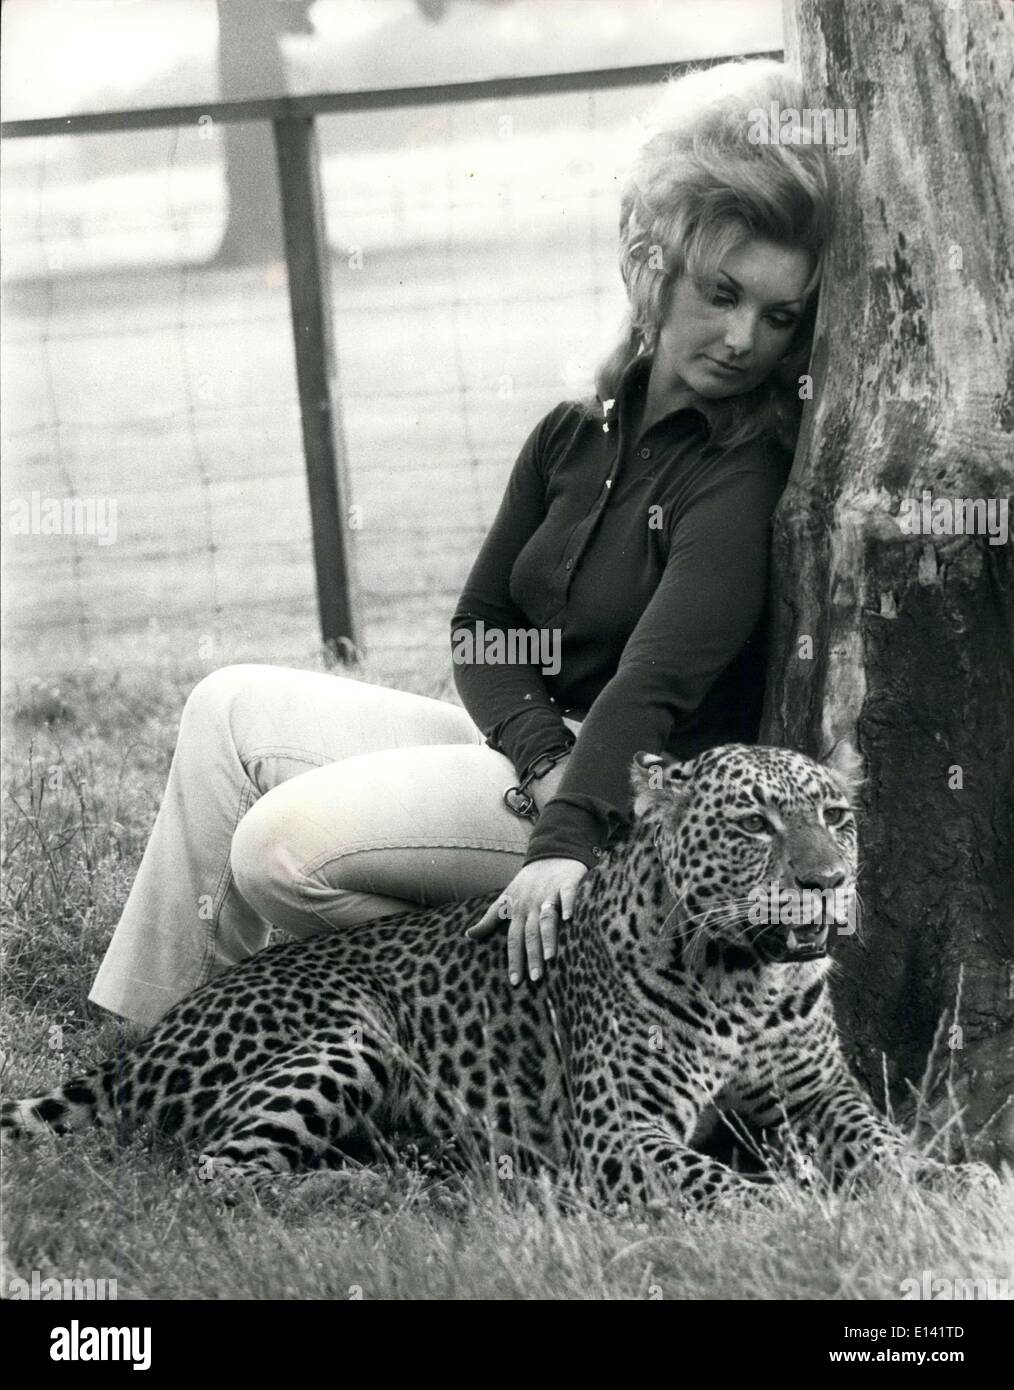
point(633, 387)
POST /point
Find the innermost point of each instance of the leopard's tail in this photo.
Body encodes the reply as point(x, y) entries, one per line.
point(75, 1105)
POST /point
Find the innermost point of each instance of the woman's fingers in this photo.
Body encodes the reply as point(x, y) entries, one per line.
point(533, 945)
point(567, 895)
point(516, 950)
point(493, 917)
point(548, 918)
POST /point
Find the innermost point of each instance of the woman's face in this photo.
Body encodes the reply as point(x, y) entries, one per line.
point(747, 324)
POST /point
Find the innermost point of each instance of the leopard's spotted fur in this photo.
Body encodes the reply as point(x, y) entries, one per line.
point(663, 1004)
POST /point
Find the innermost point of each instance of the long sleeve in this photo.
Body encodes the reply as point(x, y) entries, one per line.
point(707, 603)
point(509, 702)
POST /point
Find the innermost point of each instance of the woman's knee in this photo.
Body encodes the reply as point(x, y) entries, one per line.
point(215, 693)
point(284, 881)
point(266, 867)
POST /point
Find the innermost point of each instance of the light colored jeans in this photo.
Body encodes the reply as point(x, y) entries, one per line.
point(311, 802)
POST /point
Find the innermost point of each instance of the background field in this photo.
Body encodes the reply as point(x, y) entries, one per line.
point(474, 285)
point(171, 391)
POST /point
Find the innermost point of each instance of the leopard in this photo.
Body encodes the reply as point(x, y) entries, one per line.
point(678, 1000)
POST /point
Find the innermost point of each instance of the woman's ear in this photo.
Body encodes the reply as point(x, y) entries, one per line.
point(659, 782)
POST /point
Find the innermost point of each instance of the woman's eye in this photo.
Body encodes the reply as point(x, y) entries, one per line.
point(754, 824)
point(834, 815)
point(782, 322)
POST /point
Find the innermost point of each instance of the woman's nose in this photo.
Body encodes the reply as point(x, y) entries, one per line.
point(739, 332)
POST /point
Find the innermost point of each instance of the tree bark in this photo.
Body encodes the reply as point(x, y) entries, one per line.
point(913, 634)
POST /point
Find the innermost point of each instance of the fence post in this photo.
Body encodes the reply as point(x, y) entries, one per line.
point(306, 257)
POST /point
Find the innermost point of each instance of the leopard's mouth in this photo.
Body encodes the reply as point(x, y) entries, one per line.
point(780, 946)
point(795, 924)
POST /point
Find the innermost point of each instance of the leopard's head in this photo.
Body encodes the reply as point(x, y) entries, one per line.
point(757, 845)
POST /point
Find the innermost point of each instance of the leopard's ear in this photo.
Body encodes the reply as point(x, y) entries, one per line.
point(659, 781)
point(845, 763)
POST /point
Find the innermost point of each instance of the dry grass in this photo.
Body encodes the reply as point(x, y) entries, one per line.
point(86, 760)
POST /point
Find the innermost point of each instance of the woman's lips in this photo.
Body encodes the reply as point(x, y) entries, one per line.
point(724, 366)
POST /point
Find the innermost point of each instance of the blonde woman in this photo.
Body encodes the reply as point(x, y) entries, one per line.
point(632, 543)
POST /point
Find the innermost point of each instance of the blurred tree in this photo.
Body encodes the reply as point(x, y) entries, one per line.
point(250, 65)
point(434, 10)
point(901, 636)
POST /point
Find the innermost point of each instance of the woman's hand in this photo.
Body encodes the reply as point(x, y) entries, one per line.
point(535, 900)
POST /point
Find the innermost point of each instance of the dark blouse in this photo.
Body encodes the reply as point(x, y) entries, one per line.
point(648, 552)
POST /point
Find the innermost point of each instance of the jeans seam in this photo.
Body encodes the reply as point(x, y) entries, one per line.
point(246, 799)
point(313, 866)
point(281, 750)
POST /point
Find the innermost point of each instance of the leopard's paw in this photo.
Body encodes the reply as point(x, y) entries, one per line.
point(957, 1179)
point(743, 1194)
point(966, 1178)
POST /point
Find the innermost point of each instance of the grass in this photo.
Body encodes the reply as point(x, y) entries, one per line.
point(85, 762)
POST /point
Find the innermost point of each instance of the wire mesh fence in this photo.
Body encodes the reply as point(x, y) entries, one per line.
point(155, 481)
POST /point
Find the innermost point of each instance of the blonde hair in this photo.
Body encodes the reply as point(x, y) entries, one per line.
point(698, 187)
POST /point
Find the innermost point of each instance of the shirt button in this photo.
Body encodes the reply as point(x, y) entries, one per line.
point(645, 453)
point(569, 565)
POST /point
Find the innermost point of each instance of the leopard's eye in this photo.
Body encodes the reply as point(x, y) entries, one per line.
point(834, 815)
point(756, 825)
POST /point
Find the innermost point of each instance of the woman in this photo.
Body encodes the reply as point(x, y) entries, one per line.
point(632, 541)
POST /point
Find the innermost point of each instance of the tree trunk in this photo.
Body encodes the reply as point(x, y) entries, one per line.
point(913, 633)
point(250, 65)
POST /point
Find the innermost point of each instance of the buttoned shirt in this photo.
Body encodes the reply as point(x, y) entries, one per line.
point(643, 556)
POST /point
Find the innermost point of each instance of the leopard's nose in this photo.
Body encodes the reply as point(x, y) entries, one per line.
point(819, 881)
